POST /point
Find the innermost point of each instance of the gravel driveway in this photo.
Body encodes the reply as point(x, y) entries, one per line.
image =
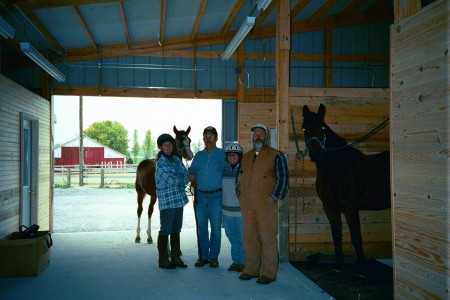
point(84, 209)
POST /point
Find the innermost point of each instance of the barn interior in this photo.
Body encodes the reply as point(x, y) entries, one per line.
point(367, 61)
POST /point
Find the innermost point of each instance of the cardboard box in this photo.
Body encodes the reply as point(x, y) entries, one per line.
point(24, 257)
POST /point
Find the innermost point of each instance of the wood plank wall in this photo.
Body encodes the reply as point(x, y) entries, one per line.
point(351, 113)
point(420, 149)
point(15, 99)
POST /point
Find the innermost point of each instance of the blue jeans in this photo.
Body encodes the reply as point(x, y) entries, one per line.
point(233, 230)
point(209, 209)
point(171, 220)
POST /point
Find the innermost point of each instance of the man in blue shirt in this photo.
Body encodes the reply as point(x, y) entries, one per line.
point(206, 170)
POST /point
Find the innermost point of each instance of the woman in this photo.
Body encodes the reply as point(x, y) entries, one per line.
point(171, 179)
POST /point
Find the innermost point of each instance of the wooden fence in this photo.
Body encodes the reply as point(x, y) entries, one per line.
point(95, 176)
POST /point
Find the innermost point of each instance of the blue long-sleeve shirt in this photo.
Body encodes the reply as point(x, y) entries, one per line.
point(208, 169)
point(171, 178)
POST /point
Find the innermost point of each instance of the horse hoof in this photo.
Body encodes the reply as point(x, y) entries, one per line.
point(137, 240)
point(149, 241)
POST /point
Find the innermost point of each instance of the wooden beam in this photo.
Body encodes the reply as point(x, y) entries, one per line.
point(83, 24)
point(298, 7)
point(162, 23)
point(263, 15)
point(198, 18)
point(283, 44)
point(237, 6)
point(319, 14)
point(124, 23)
point(405, 8)
point(328, 44)
point(142, 92)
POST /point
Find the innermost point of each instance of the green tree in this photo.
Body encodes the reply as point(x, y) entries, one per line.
point(109, 133)
point(197, 146)
point(149, 145)
point(135, 149)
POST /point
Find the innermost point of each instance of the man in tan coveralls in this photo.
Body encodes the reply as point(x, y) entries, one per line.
point(264, 180)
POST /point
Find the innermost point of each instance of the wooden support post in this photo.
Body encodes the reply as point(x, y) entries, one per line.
point(328, 53)
point(283, 47)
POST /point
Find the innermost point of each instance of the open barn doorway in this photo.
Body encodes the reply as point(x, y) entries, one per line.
point(137, 116)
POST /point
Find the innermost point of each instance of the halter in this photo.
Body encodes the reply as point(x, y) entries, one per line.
point(321, 142)
point(181, 150)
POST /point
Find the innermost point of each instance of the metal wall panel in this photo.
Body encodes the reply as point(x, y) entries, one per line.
point(229, 122)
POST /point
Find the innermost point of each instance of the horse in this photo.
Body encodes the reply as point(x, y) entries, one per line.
point(145, 179)
point(347, 181)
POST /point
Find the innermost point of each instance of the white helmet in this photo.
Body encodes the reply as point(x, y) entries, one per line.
point(233, 148)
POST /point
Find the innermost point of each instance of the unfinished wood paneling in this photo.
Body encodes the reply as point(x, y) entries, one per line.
point(420, 153)
point(351, 113)
point(14, 100)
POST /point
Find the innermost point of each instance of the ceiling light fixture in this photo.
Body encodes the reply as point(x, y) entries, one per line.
point(6, 30)
point(263, 4)
point(39, 59)
point(239, 37)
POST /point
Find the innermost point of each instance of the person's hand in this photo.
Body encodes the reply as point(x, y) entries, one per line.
point(191, 177)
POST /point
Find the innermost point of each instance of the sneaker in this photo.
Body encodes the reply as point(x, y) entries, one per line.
point(213, 263)
point(201, 262)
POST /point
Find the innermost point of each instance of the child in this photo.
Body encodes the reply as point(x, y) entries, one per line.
point(231, 210)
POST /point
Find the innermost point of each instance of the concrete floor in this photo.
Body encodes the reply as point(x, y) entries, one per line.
point(89, 260)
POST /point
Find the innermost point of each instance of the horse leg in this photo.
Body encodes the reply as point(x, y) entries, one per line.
point(354, 226)
point(149, 224)
point(334, 217)
point(140, 199)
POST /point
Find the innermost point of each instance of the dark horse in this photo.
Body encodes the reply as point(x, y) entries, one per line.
point(347, 181)
point(145, 179)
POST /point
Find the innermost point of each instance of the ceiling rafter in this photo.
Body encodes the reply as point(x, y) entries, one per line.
point(162, 23)
point(147, 48)
point(198, 18)
point(263, 15)
point(230, 19)
point(352, 7)
point(319, 14)
point(80, 18)
point(124, 22)
point(40, 4)
point(299, 7)
point(35, 20)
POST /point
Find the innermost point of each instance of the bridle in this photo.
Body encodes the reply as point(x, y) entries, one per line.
point(181, 147)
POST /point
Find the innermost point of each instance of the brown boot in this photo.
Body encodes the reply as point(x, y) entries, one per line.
point(163, 261)
point(176, 252)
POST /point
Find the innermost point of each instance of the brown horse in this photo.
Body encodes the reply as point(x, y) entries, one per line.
point(347, 181)
point(145, 179)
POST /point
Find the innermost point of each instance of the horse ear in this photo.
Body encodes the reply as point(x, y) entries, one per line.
point(175, 130)
point(305, 110)
point(188, 130)
point(321, 111)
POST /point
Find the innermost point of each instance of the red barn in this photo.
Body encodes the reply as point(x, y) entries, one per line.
point(94, 153)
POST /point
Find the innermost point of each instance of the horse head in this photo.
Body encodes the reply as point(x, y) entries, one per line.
point(183, 143)
point(314, 128)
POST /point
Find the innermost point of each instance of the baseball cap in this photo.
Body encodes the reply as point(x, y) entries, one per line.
point(210, 129)
point(260, 126)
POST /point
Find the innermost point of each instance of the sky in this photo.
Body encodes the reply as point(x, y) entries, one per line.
point(157, 115)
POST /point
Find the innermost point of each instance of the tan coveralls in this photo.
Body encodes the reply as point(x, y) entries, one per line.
point(259, 213)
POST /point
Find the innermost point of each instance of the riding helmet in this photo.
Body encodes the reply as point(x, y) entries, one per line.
point(233, 148)
point(164, 138)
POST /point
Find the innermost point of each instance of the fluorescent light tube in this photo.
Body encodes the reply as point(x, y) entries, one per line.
point(6, 30)
point(239, 37)
point(39, 59)
point(263, 4)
